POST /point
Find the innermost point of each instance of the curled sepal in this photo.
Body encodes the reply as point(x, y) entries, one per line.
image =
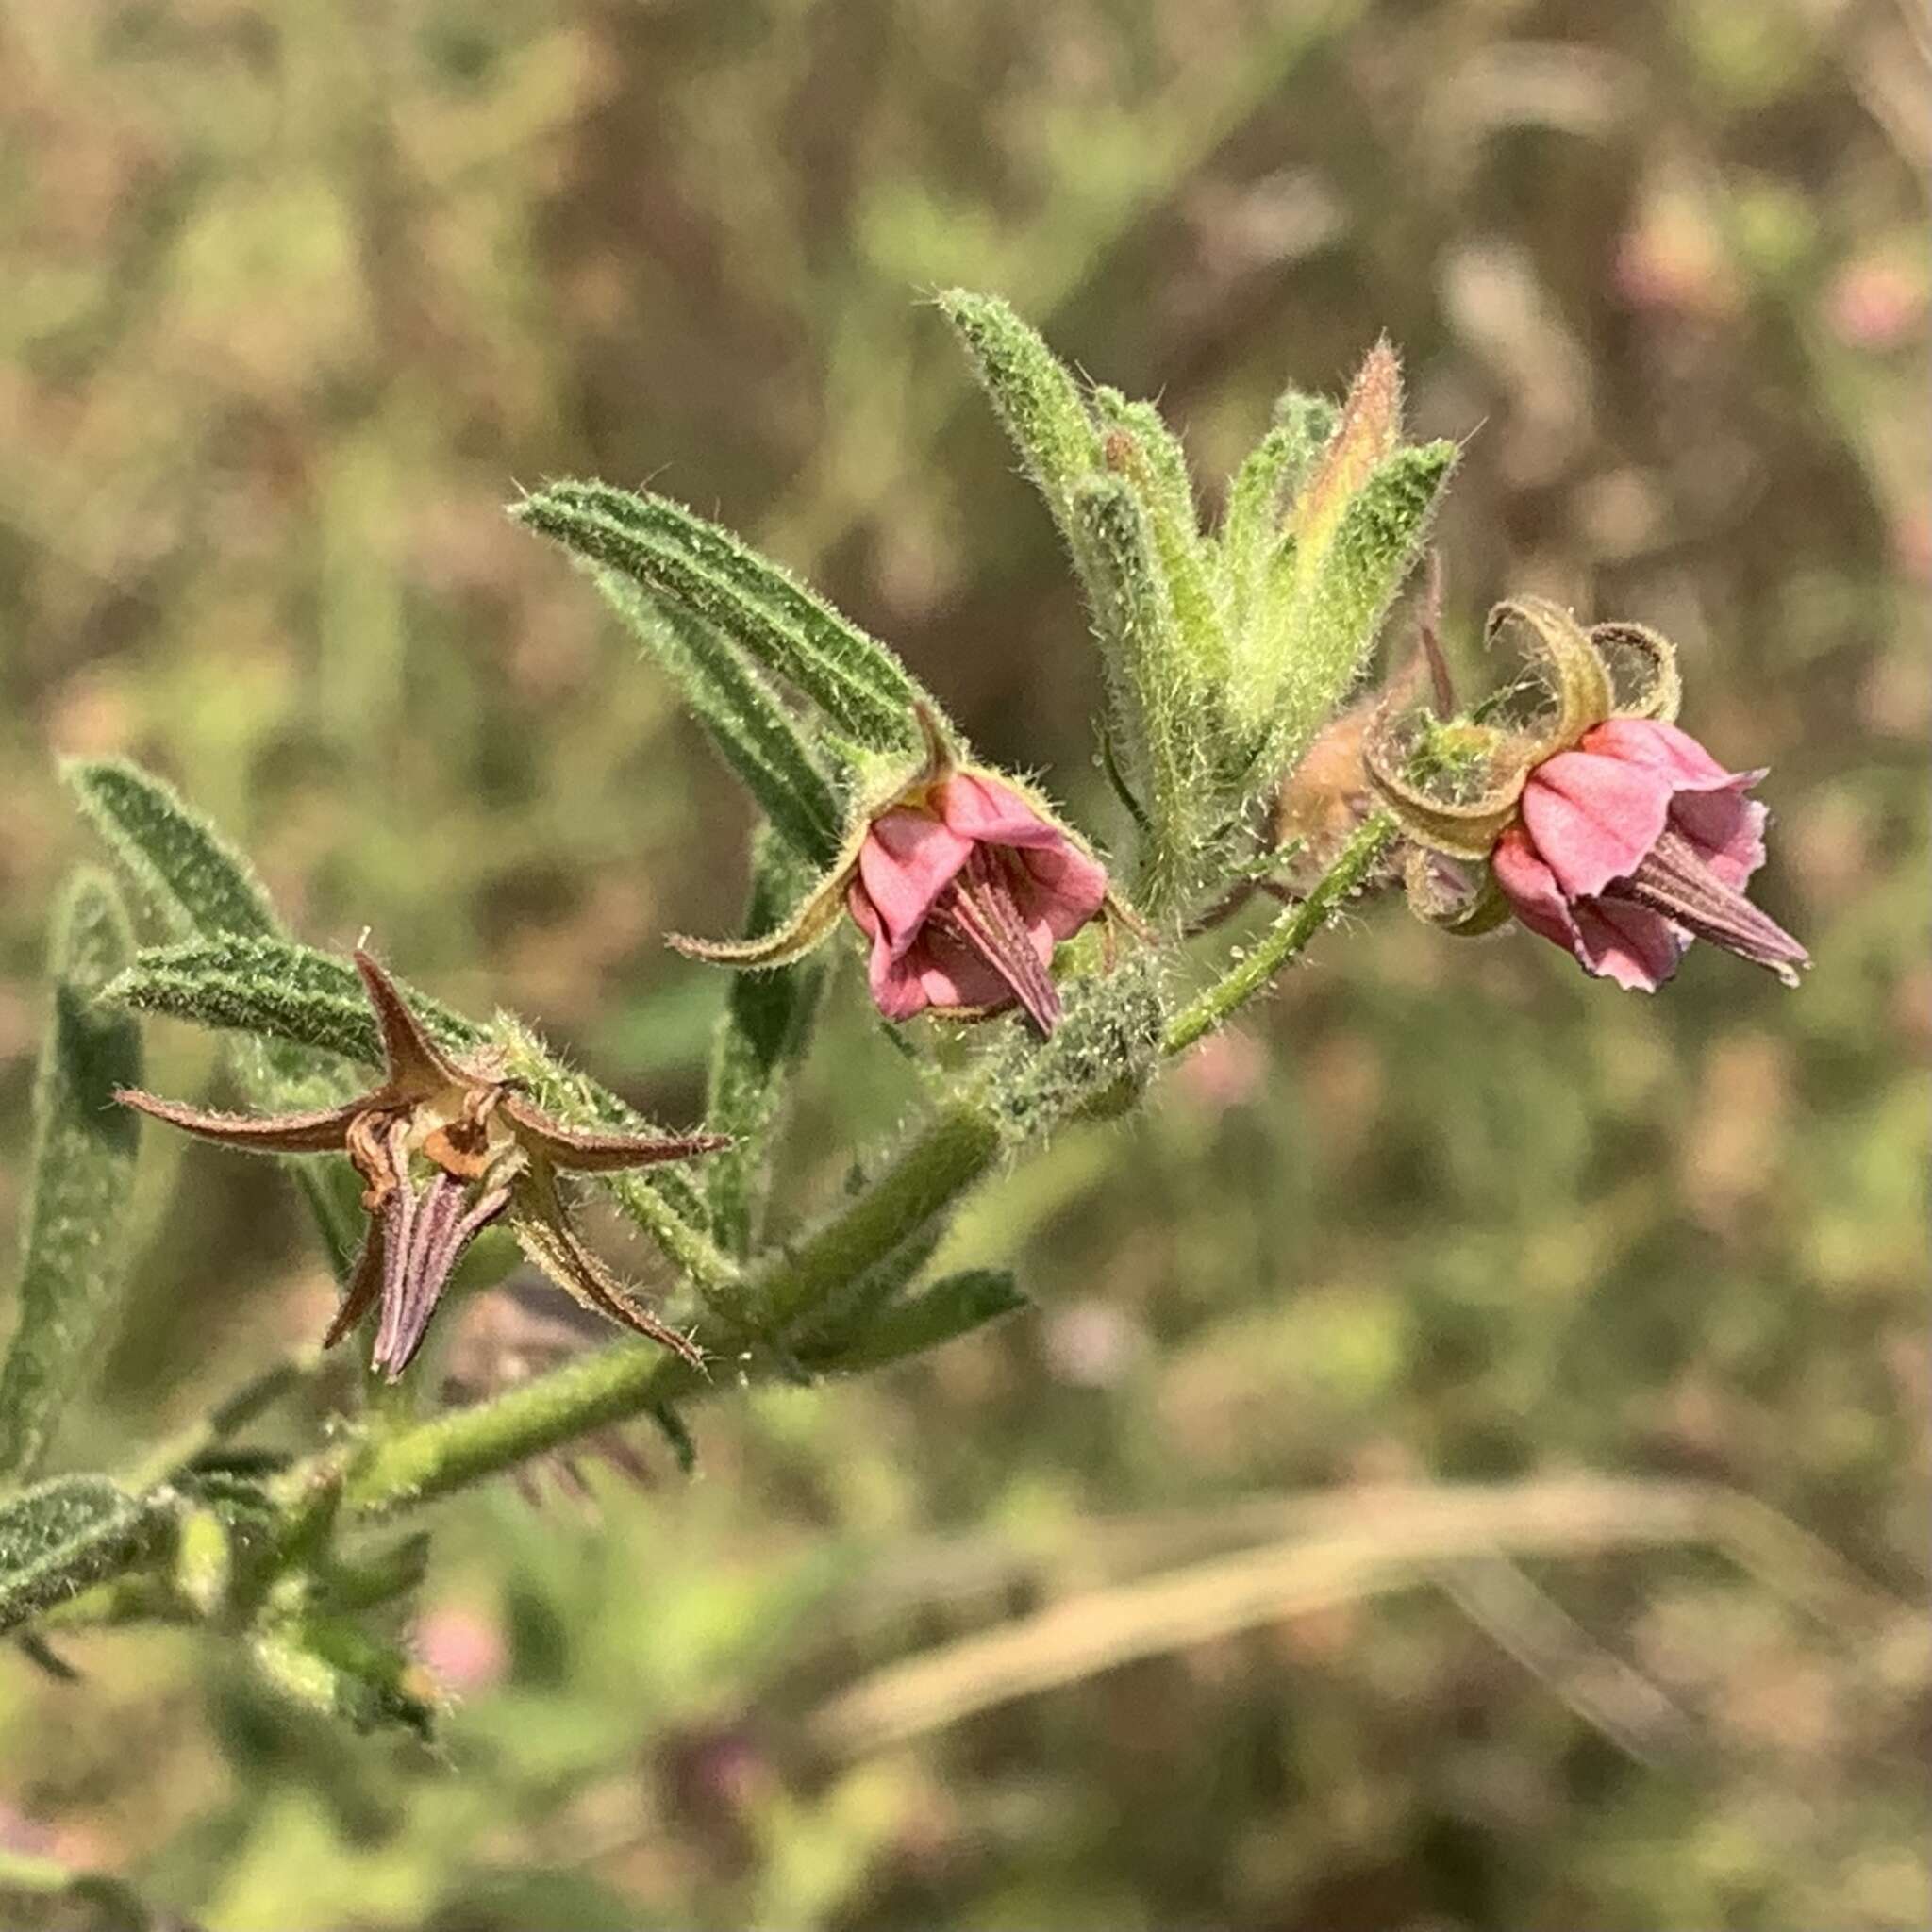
point(807, 928)
point(1641, 665)
point(817, 913)
point(1444, 894)
point(1451, 787)
point(1569, 665)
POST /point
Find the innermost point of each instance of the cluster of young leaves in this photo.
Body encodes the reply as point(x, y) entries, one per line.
point(1225, 650)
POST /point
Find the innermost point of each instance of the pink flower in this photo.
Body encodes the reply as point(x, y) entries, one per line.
point(1596, 821)
point(1633, 844)
point(962, 886)
point(964, 896)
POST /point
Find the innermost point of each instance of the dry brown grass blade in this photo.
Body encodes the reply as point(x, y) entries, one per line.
point(1347, 1546)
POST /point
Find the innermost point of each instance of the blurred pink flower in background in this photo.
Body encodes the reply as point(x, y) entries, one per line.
point(462, 1648)
point(1876, 302)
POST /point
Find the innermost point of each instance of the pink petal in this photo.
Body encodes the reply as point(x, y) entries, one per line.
point(1058, 889)
point(1727, 830)
point(951, 974)
point(991, 813)
point(1627, 943)
point(1531, 890)
point(1636, 947)
point(908, 859)
point(892, 976)
point(1708, 806)
point(1593, 817)
point(1664, 749)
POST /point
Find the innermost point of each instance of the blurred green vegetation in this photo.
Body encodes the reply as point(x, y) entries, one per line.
point(296, 295)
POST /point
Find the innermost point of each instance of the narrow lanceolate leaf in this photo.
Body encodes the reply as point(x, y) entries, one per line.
point(1137, 444)
point(1160, 738)
point(952, 1307)
point(81, 1170)
point(703, 570)
point(60, 1538)
point(276, 990)
point(766, 1021)
point(1369, 431)
point(1036, 398)
point(1326, 623)
point(755, 733)
point(199, 885)
point(197, 881)
point(1263, 490)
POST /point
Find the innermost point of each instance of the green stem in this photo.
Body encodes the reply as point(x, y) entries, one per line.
point(1296, 927)
point(417, 1464)
point(955, 1149)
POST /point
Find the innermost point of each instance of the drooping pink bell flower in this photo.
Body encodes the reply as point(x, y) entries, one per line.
point(964, 896)
point(962, 886)
point(1634, 844)
point(1601, 826)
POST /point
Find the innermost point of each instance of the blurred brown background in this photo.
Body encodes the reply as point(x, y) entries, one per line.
point(296, 294)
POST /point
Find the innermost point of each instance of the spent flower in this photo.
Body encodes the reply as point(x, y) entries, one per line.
point(446, 1146)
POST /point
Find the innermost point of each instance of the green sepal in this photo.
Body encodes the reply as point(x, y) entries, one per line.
point(331, 1666)
point(666, 1203)
point(80, 1173)
point(204, 1559)
point(703, 570)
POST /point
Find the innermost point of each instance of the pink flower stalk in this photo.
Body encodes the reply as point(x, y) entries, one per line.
point(964, 896)
point(1634, 844)
point(962, 885)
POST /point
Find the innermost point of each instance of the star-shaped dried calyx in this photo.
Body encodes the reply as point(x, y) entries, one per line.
point(445, 1147)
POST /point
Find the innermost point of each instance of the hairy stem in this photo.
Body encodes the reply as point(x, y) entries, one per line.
point(1296, 927)
point(417, 1464)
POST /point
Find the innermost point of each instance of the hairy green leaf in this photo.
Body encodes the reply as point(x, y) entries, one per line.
point(276, 988)
point(1141, 447)
point(1328, 608)
point(952, 1307)
point(759, 1038)
point(1034, 397)
point(755, 733)
point(80, 1171)
point(704, 571)
point(1259, 499)
point(196, 880)
point(199, 885)
point(63, 1536)
point(1163, 737)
